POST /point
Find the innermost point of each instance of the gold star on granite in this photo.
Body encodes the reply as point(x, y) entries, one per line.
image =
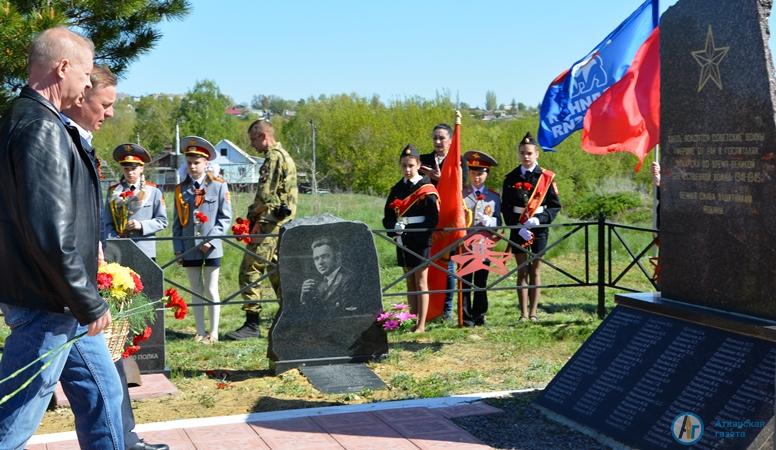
point(709, 59)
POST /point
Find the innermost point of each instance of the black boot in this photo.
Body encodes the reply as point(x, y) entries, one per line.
point(250, 328)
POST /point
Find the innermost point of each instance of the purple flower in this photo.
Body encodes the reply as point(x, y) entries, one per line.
point(391, 325)
point(383, 316)
point(405, 316)
point(399, 306)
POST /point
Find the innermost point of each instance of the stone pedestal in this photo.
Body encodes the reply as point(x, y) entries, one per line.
point(151, 357)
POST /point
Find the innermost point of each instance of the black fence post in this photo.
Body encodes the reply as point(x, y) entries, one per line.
point(601, 266)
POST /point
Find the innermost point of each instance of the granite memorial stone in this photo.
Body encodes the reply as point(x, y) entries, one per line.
point(639, 371)
point(151, 357)
point(694, 364)
point(330, 283)
point(718, 150)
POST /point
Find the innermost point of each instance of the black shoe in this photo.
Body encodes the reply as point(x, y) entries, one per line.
point(247, 331)
point(480, 321)
point(145, 446)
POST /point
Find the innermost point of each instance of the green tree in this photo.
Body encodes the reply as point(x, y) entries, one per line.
point(490, 101)
point(155, 123)
point(202, 112)
point(121, 31)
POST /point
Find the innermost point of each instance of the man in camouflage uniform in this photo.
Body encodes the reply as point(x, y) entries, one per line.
point(275, 204)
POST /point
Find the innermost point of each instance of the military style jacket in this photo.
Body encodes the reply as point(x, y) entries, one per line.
point(146, 206)
point(485, 211)
point(515, 197)
point(277, 186)
point(215, 204)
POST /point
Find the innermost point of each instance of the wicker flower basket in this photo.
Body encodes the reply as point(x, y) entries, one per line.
point(116, 337)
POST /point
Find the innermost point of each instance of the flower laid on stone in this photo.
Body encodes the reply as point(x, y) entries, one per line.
point(397, 317)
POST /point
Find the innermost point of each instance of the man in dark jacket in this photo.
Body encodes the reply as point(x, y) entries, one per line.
point(49, 230)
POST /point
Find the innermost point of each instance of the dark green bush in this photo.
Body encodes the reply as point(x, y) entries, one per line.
point(611, 205)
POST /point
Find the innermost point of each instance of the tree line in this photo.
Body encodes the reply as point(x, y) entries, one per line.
point(358, 140)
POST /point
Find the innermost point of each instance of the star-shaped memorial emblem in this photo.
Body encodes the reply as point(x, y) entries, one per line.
point(709, 59)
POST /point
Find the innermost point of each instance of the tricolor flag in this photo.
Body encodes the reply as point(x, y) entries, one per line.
point(626, 118)
point(570, 95)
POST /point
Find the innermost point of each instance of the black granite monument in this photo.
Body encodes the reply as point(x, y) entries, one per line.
point(718, 147)
point(694, 365)
point(330, 283)
point(151, 357)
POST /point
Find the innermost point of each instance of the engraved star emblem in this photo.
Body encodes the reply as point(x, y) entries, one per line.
point(709, 59)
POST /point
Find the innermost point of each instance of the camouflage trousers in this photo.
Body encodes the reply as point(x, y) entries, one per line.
point(252, 269)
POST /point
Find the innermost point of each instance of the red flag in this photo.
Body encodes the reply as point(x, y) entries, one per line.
point(626, 117)
point(451, 215)
point(451, 211)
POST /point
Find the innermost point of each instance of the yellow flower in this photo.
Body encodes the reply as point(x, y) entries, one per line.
point(122, 284)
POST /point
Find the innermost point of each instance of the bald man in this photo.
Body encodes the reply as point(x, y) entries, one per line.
point(50, 226)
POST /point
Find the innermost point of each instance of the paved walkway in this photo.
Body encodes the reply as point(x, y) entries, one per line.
point(410, 424)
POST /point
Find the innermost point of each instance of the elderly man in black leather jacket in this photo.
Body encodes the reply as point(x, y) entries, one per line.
point(49, 231)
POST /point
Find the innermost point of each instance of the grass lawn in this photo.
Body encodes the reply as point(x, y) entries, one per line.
point(234, 377)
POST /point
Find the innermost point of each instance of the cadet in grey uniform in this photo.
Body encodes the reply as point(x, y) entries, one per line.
point(484, 206)
point(134, 207)
point(202, 208)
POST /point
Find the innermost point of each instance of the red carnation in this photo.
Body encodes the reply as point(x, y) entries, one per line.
point(104, 280)
point(523, 185)
point(395, 204)
point(138, 283)
point(142, 337)
point(126, 194)
point(201, 217)
point(242, 227)
point(130, 350)
point(480, 197)
point(177, 302)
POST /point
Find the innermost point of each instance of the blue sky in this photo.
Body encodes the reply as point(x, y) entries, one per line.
point(397, 49)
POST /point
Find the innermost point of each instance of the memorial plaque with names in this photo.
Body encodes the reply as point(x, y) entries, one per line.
point(151, 357)
point(639, 371)
point(718, 156)
point(342, 378)
point(331, 295)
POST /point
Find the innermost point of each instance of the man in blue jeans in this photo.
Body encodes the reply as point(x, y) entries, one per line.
point(49, 229)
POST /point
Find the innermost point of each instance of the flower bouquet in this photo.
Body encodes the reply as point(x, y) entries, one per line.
point(523, 190)
point(398, 317)
point(242, 227)
point(132, 310)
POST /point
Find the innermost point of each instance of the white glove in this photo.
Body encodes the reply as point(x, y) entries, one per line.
point(526, 234)
point(532, 222)
point(398, 228)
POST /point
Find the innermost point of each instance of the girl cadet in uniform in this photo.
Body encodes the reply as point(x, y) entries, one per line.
point(134, 207)
point(202, 208)
point(529, 198)
point(413, 203)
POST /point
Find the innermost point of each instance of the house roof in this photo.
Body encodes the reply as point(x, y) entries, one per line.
point(223, 160)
